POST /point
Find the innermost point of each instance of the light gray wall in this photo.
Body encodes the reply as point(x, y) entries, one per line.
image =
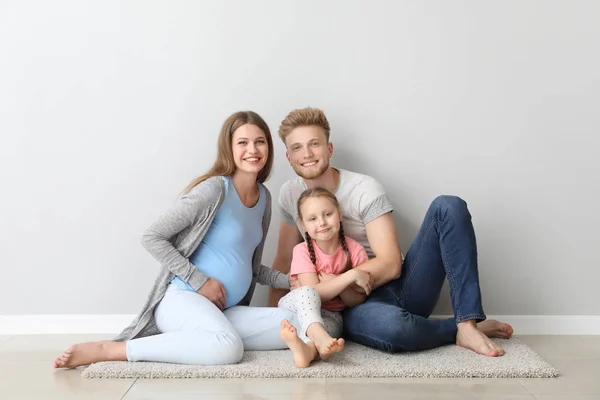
point(109, 108)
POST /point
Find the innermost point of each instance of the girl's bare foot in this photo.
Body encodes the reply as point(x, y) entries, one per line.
point(326, 345)
point(493, 328)
point(303, 353)
point(470, 337)
point(330, 348)
point(88, 353)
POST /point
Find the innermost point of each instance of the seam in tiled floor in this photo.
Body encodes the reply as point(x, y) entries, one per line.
point(127, 391)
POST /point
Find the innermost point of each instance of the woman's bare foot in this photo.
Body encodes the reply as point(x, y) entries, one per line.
point(330, 348)
point(470, 337)
point(493, 328)
point(303, 353)
point(88, 353)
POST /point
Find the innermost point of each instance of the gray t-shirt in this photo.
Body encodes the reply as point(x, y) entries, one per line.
point(361, 198)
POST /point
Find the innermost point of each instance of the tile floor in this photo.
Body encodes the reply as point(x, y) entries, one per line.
point(26, 373)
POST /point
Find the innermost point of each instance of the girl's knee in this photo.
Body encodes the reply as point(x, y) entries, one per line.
point(307, 291)
point(285, 300)
point(292, 297)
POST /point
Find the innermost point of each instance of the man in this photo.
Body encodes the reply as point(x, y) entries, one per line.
point(395, 316)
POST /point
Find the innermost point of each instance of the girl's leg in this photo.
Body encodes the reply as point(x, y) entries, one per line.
point(302, 353)
point(306, 303)
point(194, 330)
point(269, 328)
point(332, 324)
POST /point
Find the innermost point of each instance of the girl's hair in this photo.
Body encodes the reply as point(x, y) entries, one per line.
point(320, 192)
point(225, 164)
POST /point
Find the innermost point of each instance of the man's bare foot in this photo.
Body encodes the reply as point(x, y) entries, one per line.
point(330, 348)
point(88, 353)
point(470, 337)
point(493, 328)
point(303, 353)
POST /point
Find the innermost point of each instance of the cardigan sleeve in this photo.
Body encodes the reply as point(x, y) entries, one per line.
point(158, 238)
point(273, 278)
point(265, 275)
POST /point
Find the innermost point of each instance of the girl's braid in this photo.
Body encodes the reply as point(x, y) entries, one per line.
point(345, 248)
point(311, 250)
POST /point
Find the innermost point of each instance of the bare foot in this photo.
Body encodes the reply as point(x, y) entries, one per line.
point(470, 337)
point(330, 348)
point(88, 353)
point(493, 328)
point(303, 353)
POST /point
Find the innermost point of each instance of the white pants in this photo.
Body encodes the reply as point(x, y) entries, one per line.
point(305, 303)
point(195, 331)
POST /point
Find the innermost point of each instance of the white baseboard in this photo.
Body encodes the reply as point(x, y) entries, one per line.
point(112, 324)
point(59, 324)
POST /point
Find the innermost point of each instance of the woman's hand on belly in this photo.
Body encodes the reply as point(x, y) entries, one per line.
point(214, 291)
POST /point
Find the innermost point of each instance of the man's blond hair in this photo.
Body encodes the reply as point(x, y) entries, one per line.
point(304, 117)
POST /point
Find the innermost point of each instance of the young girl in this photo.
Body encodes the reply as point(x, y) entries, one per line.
point(323, 265)
point(210, 247)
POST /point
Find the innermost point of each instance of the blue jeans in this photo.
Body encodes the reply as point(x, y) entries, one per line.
point(395, 316)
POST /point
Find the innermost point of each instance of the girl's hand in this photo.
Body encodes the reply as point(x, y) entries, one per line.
point(362, 279)
point(325, 277)
point(215, 292)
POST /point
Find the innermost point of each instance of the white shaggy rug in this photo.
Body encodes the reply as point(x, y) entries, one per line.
point(356, 361)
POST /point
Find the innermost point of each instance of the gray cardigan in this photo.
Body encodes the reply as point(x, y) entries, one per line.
point(172, 239)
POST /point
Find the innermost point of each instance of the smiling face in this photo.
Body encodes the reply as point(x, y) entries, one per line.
point(308, 151)
point(321, 218)
point(250, 149)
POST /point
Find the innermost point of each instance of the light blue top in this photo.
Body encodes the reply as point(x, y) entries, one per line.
point(225, 253)
point(174, 236)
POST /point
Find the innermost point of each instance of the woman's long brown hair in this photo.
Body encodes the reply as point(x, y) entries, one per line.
point(224, 165)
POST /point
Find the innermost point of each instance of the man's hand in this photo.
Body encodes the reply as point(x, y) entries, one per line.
point(215, 292)
point(387, 264)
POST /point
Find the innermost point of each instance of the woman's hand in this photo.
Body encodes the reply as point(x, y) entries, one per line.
point(215, 292)
point(362, 279)
point(294, 283)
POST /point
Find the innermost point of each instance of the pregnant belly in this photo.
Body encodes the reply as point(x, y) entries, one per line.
point(236, 281)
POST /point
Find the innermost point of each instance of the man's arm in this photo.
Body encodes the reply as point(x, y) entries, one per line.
point(352, 298)
point(289, 237)
point(387, 264)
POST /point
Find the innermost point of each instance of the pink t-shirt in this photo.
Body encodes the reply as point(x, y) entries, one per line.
point(330, 264)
